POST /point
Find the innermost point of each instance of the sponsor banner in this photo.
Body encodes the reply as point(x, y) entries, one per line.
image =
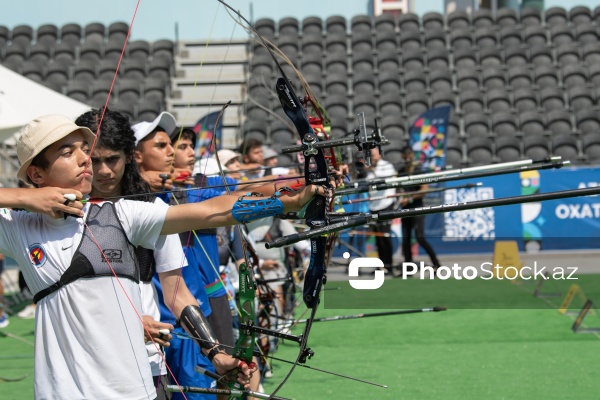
point(551, 225)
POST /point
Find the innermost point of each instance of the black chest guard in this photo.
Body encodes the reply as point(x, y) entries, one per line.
point(90, 261)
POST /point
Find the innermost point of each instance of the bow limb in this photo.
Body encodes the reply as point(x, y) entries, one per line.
point(319, 121)
point(266, 296)
point(274, 114)
point(316, 172)
point(244, 346)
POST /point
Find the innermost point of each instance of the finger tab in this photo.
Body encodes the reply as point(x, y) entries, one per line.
point(70, 196)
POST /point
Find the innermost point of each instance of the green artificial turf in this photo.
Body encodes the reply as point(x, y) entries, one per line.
point(521, 349)
point(525, 350)
point(16, 358)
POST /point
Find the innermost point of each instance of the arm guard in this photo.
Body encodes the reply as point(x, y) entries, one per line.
point(246, 210)
point(195, 324)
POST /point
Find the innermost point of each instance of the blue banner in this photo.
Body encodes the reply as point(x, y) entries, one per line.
point(567, 224)
point(562, 224)
point(550, 225)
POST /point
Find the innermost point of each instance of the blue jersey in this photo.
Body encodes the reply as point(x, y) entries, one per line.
point(204, 255)
point(193, 280)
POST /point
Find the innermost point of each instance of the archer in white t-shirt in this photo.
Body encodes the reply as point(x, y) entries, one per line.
point(88, 336)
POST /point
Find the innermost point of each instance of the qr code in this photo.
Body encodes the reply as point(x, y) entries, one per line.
point(470, 224)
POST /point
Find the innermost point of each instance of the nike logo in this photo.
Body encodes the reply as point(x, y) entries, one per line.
point(68, 247)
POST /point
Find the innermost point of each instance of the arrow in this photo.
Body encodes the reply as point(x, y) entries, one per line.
point(377, 314)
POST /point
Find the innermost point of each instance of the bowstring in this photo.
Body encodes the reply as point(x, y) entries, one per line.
point(197, 78)
point(140, 318)
point(88, 162)
point(193, 232)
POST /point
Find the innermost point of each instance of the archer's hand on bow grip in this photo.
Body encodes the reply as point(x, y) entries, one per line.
point(297, 200)
point(234, 370)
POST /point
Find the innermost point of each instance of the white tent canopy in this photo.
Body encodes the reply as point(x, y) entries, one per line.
point(22, 99)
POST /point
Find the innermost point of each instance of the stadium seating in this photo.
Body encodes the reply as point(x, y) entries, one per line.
point(117, 32)
point(80, 62)
point(504, 124)
point(508, 148)
point(33, 71)
point(522, 83)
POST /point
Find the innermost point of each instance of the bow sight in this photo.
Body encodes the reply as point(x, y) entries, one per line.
point(362, 139)
point(366, 142)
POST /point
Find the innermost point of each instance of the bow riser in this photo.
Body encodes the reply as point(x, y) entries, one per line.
point(245, 344)
point(315, 170)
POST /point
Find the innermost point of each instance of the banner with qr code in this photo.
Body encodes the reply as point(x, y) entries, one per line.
point(551, 225)
point(471, 224)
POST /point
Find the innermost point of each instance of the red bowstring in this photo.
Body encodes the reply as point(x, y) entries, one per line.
point(88, 162)
point(112, 85)
point(133, 306)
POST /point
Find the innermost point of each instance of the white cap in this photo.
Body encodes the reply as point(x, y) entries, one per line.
point(225, 156)
point(164, 120)
point(206, 166)
point(268, 152)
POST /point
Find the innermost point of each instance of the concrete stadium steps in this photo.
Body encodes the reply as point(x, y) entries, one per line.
point(196, 92)
point(189, 116)
point(206, 77)
point(215, 51)
point(209, 72)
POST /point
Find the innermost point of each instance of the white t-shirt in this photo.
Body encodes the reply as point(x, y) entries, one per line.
point(88, 336)
point(167, 257)
point(383, 169)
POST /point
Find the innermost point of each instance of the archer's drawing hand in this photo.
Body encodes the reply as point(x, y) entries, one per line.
point(154, 328)
point(51, 201)
point(182, 177)
point(156, 181)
